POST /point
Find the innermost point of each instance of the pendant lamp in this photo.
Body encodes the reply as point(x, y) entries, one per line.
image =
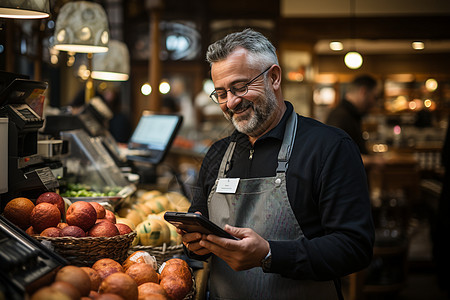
point(25, 9)
point(82, 27)
point(353, 60)
point(113, 65)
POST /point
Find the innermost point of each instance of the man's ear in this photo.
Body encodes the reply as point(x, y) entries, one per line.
point(275, 77)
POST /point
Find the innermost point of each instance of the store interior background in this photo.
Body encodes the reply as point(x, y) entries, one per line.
point(404, 127)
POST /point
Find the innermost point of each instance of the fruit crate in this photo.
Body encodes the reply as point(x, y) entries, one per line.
point(85, 251)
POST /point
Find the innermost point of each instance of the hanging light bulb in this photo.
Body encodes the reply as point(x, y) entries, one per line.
point(353, 60)
point(164, 87)
point(431, 84)
point(146, 89)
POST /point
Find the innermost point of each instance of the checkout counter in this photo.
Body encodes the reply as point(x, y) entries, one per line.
point(35, 165)
point(25, 264)
point(89, 157)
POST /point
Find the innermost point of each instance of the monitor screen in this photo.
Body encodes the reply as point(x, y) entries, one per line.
point(155, 132)
point(21, 91)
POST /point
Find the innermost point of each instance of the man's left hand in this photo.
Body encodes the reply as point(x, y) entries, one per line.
point(243, 254)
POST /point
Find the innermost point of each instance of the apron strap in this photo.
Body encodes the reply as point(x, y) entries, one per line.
point(225, 165)
point(288, 143)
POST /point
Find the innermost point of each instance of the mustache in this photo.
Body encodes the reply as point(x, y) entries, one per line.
point(243, 105)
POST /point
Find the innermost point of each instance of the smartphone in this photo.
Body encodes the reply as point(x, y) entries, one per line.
point(192, 222)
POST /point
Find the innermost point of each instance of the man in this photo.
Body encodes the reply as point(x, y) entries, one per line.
point(291, 189)
point(360, 97)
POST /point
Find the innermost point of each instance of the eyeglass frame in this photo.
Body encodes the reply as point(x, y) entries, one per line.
point(232, 88)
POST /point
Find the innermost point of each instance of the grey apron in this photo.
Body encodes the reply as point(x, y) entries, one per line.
point(263, 205)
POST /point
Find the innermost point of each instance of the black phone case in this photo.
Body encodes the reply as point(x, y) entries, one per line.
point(192, 222)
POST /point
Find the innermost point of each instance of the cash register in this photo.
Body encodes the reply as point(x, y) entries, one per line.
point(20, 102)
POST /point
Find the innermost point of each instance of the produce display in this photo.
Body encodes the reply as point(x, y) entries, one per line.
point(137, 278)
point(84, 190)
point(48, 217)
point(146, 214)
point(51, 215)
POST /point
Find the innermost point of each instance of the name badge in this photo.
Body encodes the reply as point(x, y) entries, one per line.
point(227, 185)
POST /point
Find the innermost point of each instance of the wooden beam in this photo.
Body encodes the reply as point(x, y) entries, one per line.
point(154, 62)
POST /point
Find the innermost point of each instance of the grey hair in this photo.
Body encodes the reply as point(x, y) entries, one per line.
point(259, 47)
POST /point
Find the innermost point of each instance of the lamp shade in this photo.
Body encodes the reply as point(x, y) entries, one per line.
point(25, 9)
point(82, 27)
point(113, 65)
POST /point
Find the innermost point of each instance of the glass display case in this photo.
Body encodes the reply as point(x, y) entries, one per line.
point(91, 173)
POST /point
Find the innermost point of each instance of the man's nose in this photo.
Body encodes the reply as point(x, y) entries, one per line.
point(232, 100)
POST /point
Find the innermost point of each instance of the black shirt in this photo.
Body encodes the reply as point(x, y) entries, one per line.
point(327, 190)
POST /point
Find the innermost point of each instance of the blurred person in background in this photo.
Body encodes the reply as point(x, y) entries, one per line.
point(360, 97)
point(119, 125)
point(300, 207)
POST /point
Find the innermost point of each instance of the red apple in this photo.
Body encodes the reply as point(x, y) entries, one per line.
point(110, 216)
point(74, 231)
point(52, 198)
point(123, 228)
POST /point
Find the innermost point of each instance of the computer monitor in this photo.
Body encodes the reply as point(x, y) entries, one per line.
point(153, 137)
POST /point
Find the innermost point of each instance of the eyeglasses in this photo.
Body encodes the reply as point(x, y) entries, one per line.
point(239, 90)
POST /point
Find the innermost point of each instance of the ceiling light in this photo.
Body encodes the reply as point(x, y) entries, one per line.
point(82, 27)
point(353, 60)
point(146, 89)
point(431, 84)
point(36, 9)
point(164, 87)
point(336, 46)
point(418, 45)
point(113, 65)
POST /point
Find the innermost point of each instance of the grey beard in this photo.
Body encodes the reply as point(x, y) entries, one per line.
point(254, 126)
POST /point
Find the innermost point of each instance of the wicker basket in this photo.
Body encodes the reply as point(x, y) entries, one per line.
point(161, 253)
point(85, 251)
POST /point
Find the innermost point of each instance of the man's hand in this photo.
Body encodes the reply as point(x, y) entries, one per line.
point(240, 255)
point(191, 241)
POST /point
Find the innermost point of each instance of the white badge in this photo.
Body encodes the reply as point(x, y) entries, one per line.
point(227, 185)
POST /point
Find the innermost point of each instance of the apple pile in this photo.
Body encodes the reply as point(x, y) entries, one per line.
point(88, 219)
